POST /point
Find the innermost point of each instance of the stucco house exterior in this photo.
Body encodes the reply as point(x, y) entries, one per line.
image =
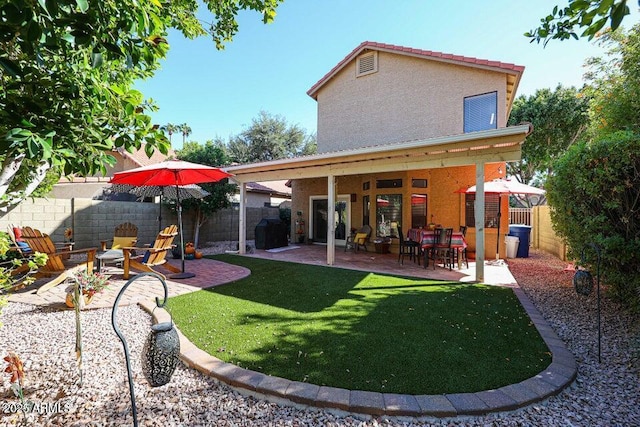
point(400, 132)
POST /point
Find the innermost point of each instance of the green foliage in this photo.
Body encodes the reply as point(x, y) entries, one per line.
point(559, 119)
point(595, 196)
point(270, 138)
point(212, 153)
point(363, 331)
point(67, 69)
point(285, 217)
point(592, 14)
point(615, 84)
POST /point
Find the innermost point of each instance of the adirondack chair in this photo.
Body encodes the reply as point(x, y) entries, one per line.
point(58, 265)
point(125, 235)
point(146, 259)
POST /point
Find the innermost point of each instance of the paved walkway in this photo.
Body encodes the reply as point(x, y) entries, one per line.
point(558, 375)
point(208, 273)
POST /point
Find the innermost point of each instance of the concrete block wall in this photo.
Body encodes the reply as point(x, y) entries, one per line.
point(542, 234)
point(95, 220)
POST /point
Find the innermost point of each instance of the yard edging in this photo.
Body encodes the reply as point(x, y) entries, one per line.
point(556, 377)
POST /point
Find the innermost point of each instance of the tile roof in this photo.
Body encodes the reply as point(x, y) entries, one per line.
point(426, 54)
point(141, 159)
point(270, 187)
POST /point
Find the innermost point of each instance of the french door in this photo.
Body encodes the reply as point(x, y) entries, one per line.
point(320, 219)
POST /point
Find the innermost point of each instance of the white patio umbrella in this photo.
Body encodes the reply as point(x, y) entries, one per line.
point(507, 186)
point(191, 191)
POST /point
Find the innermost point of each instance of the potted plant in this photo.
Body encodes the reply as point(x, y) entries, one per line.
point(88, 284)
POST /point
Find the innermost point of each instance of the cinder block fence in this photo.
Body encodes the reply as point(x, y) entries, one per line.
point(95, 220)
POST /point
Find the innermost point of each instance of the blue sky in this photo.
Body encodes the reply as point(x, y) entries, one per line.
point(271, 67)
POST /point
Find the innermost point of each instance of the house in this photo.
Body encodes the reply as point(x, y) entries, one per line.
point(266, 194)
point(263, 194)
point(92, 187)
point(400, 132)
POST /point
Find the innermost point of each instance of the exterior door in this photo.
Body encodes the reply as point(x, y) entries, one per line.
point(320, 220)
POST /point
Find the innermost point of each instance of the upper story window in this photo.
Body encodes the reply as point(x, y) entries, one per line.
point(367, 63)
point(481, 112)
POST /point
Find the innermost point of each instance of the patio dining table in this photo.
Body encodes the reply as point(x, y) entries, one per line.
point(427, 240)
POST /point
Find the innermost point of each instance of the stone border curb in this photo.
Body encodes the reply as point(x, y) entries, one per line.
point(559, 374)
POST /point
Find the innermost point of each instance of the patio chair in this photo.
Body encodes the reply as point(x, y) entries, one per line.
point(150, 257)
point(441, 251)
point(59, 263)
point(359, 239)
point(407, 247)
point(125, 235)
point(462, 252)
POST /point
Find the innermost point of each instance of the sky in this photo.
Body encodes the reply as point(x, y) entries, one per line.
point(271, 67)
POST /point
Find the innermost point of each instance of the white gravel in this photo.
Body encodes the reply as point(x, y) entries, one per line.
point(605, 394)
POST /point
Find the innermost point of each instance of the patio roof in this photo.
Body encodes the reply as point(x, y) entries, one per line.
point(497, 145)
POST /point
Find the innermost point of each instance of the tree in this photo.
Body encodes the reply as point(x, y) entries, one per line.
point(170, 129)
point(592, 14)
point(186, 131)
point(559, 119)
point(212, 153)
point(67, 69)
point(270, 138)
point(615, 84)
point(595, 198)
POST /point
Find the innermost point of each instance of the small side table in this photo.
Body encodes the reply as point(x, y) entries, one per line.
point(382, 246)
point(110, 256)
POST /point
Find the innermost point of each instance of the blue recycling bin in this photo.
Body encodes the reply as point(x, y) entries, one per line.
point(522, 232)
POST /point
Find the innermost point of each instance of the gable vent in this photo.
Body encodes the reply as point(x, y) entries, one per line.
point(367, 64)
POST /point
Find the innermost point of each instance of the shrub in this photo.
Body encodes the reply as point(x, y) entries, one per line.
point(594, 194)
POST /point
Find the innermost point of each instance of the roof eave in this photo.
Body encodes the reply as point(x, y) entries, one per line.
point(431, 142)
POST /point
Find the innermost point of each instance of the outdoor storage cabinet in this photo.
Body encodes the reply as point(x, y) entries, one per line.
point(271, 233)
point(522, 232)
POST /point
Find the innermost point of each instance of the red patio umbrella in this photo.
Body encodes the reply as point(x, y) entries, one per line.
point(502, 186)
point(171, 173)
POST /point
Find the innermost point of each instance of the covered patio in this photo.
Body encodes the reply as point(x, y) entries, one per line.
point(387, 263)
point(476, 149)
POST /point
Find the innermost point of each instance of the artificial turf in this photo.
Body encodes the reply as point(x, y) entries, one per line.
point(364, 331)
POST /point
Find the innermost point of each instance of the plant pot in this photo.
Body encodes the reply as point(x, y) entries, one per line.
point(86, 300)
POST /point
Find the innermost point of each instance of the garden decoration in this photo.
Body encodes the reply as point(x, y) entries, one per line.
point(162, 347)
point(583, 283)
point(160, 354)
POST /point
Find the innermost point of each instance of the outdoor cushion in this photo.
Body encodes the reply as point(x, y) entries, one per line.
point(123, 242)
point(360, 238)
point(17, 232)
point(24, 247)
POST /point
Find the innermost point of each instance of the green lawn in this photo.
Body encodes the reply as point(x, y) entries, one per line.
point(364, 331)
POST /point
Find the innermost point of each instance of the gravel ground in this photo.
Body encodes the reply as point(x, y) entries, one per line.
point(605, 394)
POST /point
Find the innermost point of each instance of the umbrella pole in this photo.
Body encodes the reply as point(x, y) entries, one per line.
point(183, 274)
point(160, 212)
point(498, 234)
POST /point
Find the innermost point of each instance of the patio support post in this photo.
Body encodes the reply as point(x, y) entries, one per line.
point(479, 221)
point(242, 229)
point(331, 214)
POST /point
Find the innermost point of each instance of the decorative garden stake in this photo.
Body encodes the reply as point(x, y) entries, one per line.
point(160, 345)
point(583, 283)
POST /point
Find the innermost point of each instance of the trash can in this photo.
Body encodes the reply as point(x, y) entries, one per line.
point(522, 232)
point(271, 233)
point(512, 245)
